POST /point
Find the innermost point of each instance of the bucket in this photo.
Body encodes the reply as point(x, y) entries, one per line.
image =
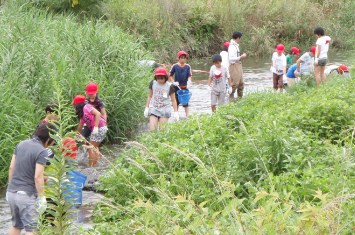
point(76, 192)
point(184, 96)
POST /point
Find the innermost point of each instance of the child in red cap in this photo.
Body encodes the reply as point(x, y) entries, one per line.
point(161, 93)
point(94, 100)
point(225, 59)
point(183, 76)
point(278, 67)
point(342, 70)
point(94, 121)
point(305, 63)
point(289, 57)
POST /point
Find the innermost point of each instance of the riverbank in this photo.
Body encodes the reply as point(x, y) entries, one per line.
point(202, 26)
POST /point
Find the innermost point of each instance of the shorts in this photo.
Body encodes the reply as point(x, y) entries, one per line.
point(322, 62)
point(236, 74)
point(86, 131)
point(291, 81)
point(24, 213)
point(218, 98)
point(100, 136)
point(278, 80)
point(160, 113)
point(176, 96)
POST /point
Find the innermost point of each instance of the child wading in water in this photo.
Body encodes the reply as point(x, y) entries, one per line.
point(94, 100)
point(218, 74)
point(321, 54)
point(183, 75)
point(96, 123)
point(160, 94)
point(278, 67)
point(289, 57)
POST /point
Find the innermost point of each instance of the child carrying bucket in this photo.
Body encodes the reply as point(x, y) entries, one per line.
point(218, 74)
point(161, 92)
point(95, 121)
point(183, 75)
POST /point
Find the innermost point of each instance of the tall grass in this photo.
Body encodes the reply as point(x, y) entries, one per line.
point(270, 164)
point(201, 26)
point(38, 49)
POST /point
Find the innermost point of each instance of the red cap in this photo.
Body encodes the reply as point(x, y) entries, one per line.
point(161, 72)
point(295, 50)
point(70, 144)
point(342, 68)
point(313, 49)
point(226, 44)
point(180, 53)
point(280, 48)
point(79, 99)
point(91, 88)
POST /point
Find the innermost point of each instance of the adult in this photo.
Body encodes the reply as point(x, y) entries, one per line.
point(235, 65)
point(25, 192)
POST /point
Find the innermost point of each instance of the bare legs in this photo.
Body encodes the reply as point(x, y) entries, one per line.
point(94, 155)
point(154, 122)
point(319, 73)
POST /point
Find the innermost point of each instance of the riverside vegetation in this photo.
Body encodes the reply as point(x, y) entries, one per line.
point(201, 26)
point(269, 164)
point(39, 49)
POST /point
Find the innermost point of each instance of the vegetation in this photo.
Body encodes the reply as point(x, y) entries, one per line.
point(269, 164)
point(201, 26)
point(39, 49)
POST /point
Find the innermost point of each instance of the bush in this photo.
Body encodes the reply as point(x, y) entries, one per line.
point(40, 49)
point(231, 169)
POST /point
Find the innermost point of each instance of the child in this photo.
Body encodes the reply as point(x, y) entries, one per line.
point(235, 68)
point(278, 67)
point(218, 74)
point(293, 53)
point(93, 99)
point(51, 113)
point(321, 54)
point(159, 92)
point(292, 75)
point(342, 70)
point(96, 123)
point(305, 63)
point(225, 59)
point(183, 75)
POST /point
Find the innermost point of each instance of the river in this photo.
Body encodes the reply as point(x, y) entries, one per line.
point(257, 77)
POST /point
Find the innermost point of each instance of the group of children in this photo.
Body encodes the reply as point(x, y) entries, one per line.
point(226, 76)
point(284, 73)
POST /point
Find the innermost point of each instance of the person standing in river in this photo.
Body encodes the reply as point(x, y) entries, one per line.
point(235, 65)
point(321, 55)
point(225, 59)
point(183, 76)
point(278, 67)
point(25, 192)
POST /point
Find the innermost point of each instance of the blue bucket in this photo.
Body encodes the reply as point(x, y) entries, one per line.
point(184, 96)
point(76, 192)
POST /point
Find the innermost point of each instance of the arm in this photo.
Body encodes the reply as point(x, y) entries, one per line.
point(103, 112)
point(171, 74)
point(149, 98)
point(97, 116)
point(209, 81)
point(299, 61)
point(318, 51)
point(39, 179)
point(173, 100)
point(232, 55)
point(12, 166)
point(80, 127)
point(230, 81)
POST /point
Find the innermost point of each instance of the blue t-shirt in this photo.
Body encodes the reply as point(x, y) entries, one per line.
point(181, 73)
point(291, 71)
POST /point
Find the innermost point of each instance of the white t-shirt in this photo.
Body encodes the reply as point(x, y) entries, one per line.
point(219, 77)
point(279, 62)
point(324, 47)
point(307, 63)
point(330, 69)
point(225, 59)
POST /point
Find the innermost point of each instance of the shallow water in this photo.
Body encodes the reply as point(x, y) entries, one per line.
point(257, 77)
